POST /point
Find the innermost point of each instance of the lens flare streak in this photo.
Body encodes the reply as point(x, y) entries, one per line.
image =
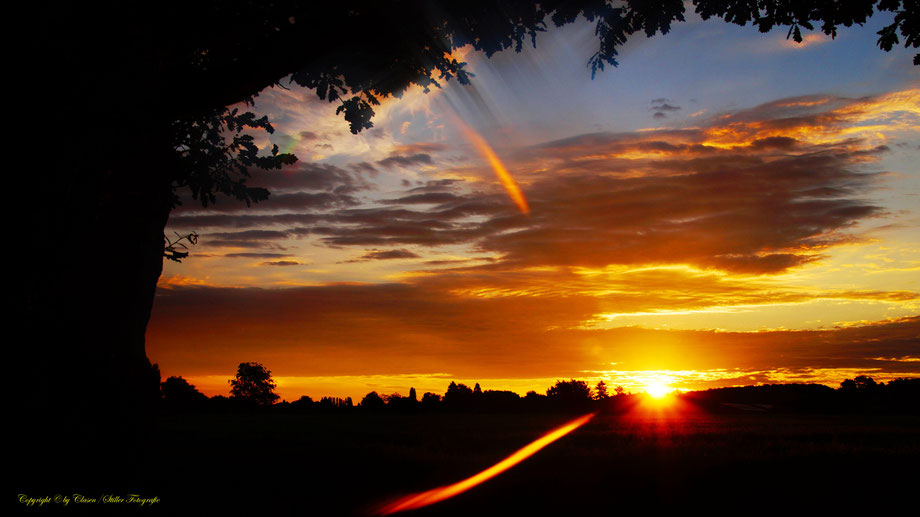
point(414, 501)
point(507, 181)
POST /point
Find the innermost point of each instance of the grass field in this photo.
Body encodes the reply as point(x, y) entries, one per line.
point(351, 463)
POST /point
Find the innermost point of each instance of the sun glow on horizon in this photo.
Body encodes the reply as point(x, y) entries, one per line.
point(658, 390)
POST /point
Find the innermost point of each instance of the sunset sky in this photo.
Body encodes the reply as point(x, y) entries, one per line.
point(724, 208)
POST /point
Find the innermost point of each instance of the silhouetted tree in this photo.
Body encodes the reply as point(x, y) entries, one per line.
point(458, 396)
point(412, 395)
point(397, 402)
point(534, 401)
point(303, 403)
point(499, 400)
point(861, 384)
point(569, 394)
point(430, 401)
point(865, 383)
point(253, 383)
point(373, 401)
point(904, 394)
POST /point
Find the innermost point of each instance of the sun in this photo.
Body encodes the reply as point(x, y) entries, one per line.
point(657, 390)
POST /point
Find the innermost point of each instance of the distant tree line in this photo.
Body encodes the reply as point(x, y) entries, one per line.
point(253, 388)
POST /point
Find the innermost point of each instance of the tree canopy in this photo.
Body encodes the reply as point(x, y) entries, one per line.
point(254, 383)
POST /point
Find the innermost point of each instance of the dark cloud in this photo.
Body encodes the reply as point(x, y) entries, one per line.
point(441, 185)
point(250, 235)
point(406, 161)
point(732, 210)
point(363, 167)
point(281, 263)
point(256, 255)
point(241, 220)
point(247, 239)
point(305, 176)
point(427, 198)
point(774, 142)
point(661, 107)
point(385, 255)
point(297, 201)
point(745, 217)
point(441, 225)
point(302, 187)
point(447, 262)
point(457, 261)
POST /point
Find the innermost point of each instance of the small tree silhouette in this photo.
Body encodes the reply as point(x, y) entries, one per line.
point(254, 382)
point(600, 391)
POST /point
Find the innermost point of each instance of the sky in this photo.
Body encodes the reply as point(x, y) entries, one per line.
point(723, 208)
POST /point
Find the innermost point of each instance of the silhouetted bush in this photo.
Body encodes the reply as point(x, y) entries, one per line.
point(333, 403)
point(178, 393)
point(304, 403)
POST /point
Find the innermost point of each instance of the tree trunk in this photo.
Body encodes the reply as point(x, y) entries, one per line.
point(90, 293)
point(102, 193)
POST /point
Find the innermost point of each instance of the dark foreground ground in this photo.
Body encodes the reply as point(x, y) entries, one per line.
point(645, 461)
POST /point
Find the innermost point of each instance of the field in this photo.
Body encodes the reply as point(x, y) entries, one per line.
point(352, 463)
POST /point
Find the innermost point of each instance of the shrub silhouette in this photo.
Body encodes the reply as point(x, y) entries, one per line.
point(179, 393)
